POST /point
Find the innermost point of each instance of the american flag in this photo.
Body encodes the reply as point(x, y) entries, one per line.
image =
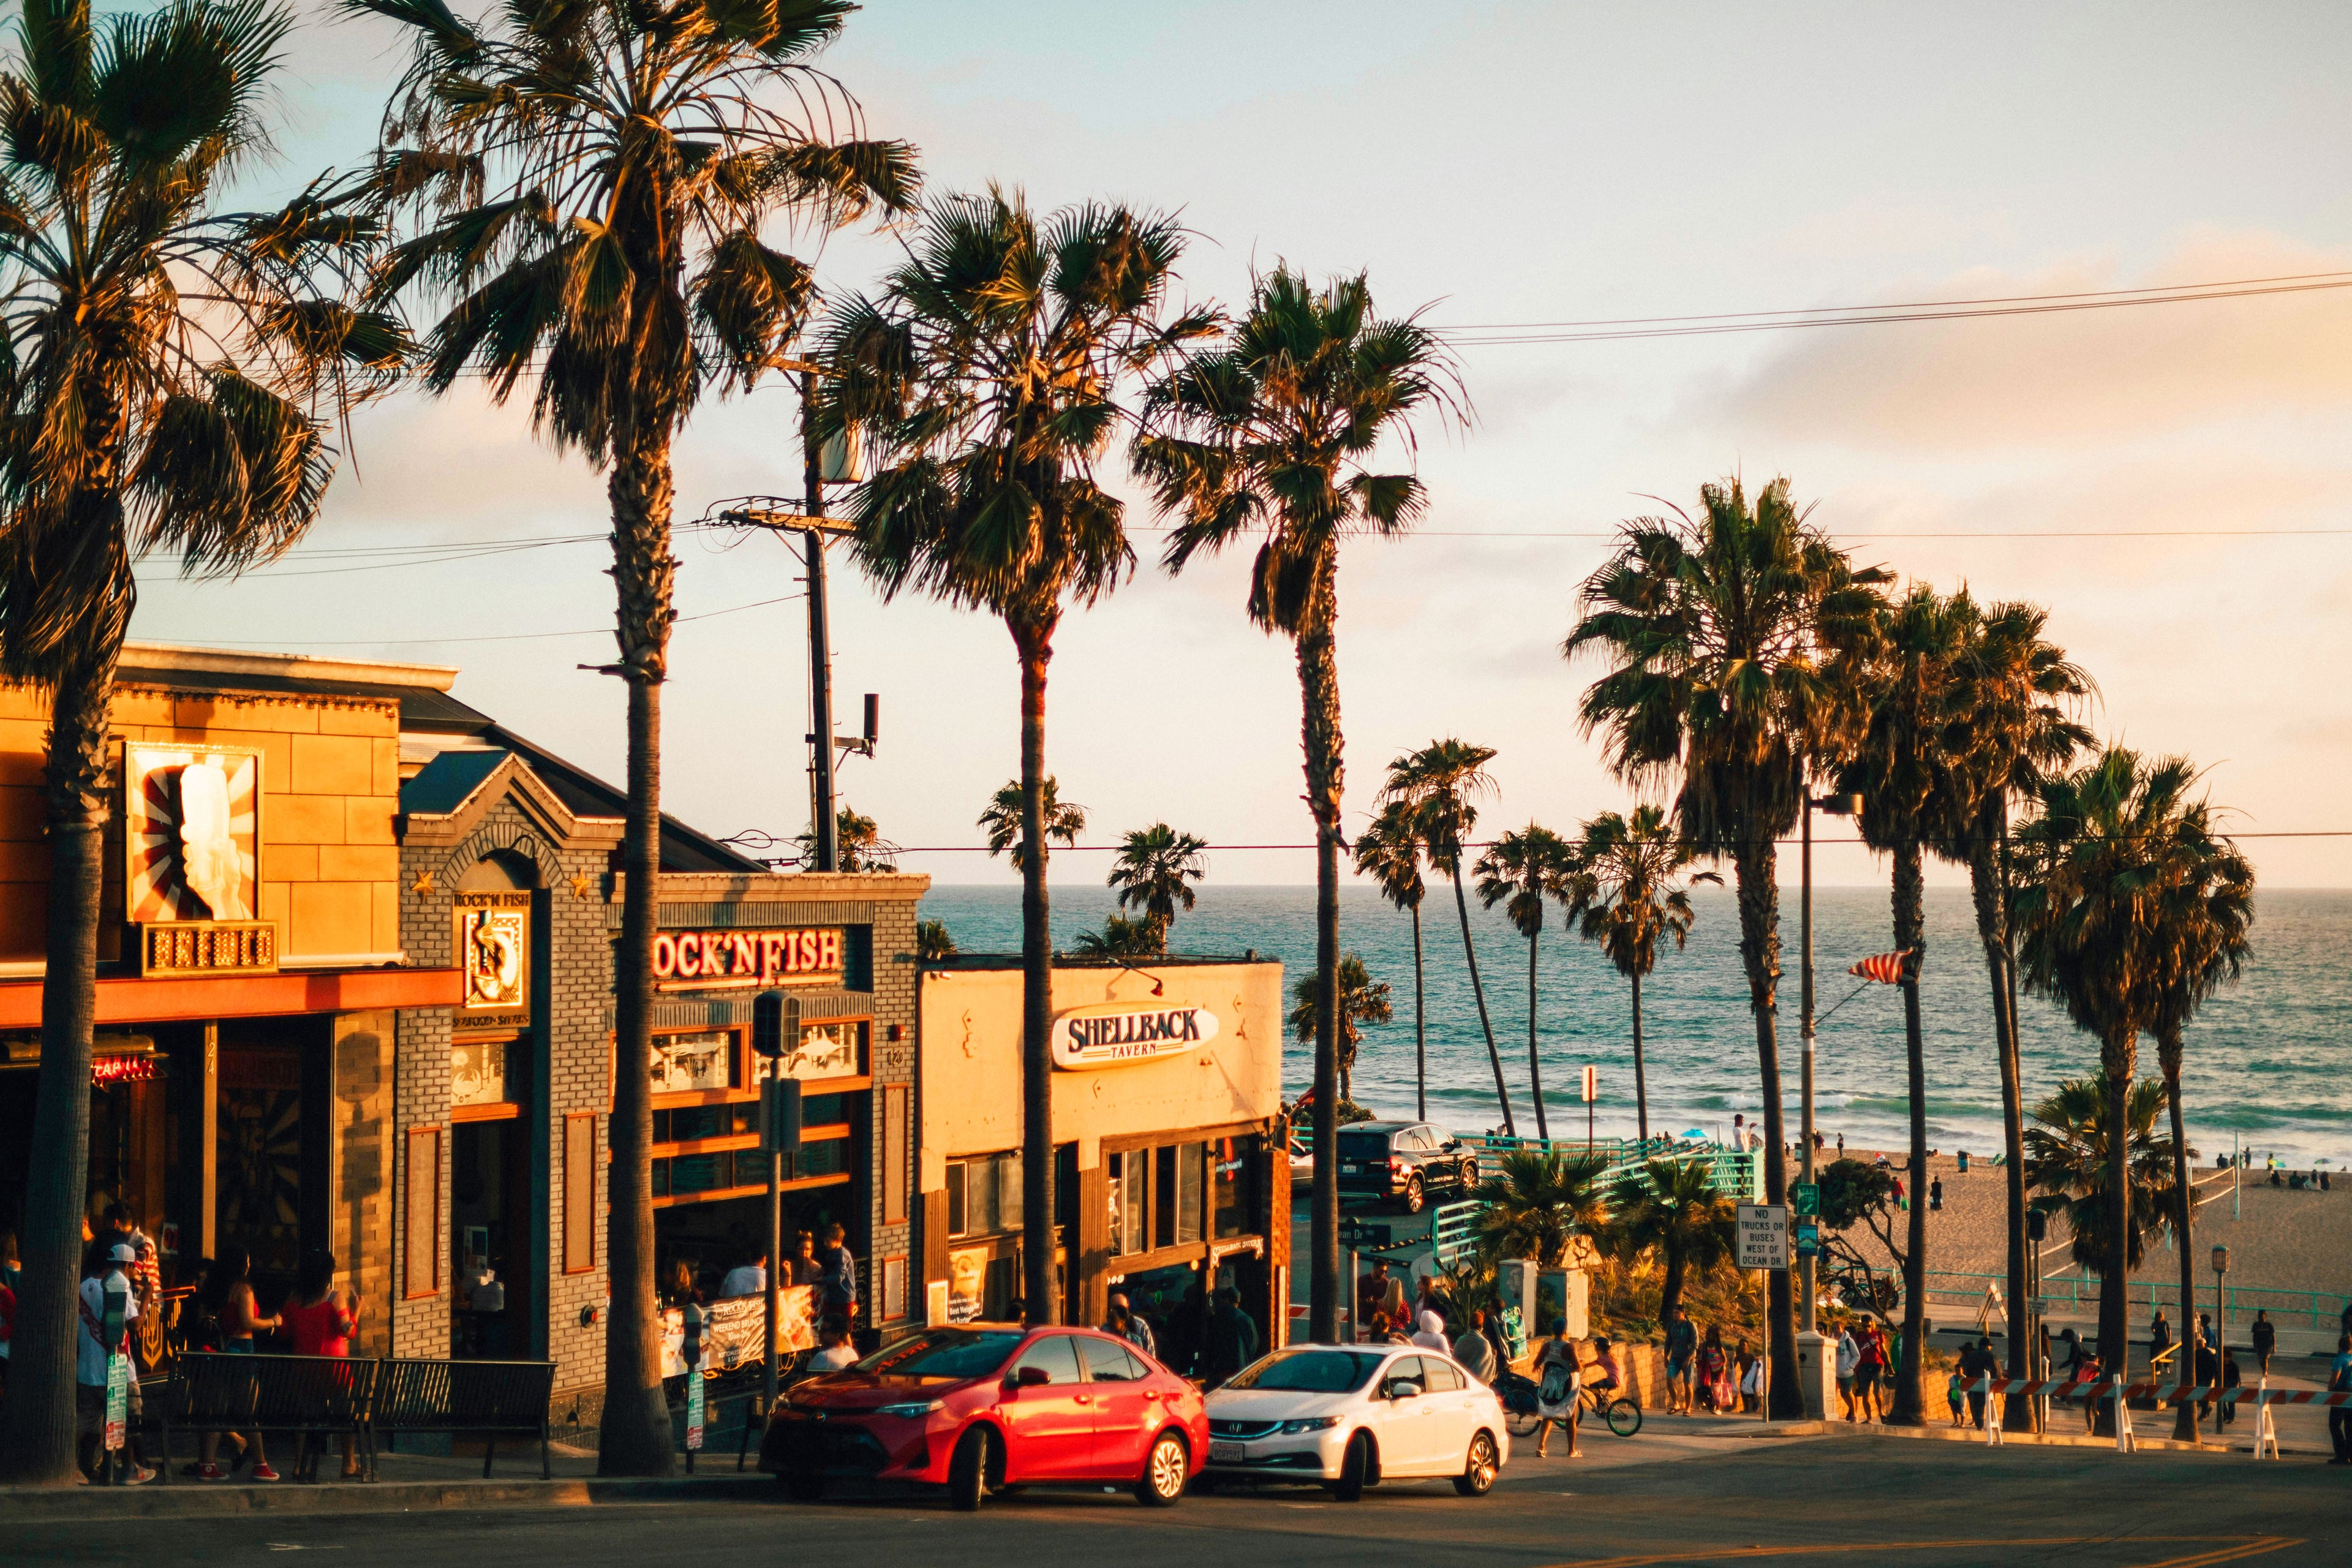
point(1886, 968)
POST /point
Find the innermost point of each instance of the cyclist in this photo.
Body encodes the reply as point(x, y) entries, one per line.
point(1602, 1379)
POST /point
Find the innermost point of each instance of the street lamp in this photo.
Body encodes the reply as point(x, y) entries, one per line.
point(1835, 805)
point(2221, 1307)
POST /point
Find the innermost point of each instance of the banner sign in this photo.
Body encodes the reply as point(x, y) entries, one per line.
point(1115, 1036)
point(731, 1330)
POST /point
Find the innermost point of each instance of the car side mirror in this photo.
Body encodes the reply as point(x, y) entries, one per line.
point(1451, 1144)
point(1028, 1377)
point(1404, 1391)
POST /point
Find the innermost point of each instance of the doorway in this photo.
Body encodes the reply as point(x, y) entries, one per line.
point(489, 1242)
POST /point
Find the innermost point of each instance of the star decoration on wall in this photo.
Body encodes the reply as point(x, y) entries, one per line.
point(424, 883)
point(581, 886)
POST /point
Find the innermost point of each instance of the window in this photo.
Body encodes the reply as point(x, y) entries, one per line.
point(1109, 1363)
point(1405, 1369)
point(579, 1191)
point(958, 1224)
point(984, 1194)
point(944, 1354)
point(1234, 1185)
point(1130, 1200)
point(1444, 1376)
point(1310, 1371)
point(1163, 1197)
point(1057, 1353)
point(894, 1287)
point(894, 1154)
point(1188, 1194)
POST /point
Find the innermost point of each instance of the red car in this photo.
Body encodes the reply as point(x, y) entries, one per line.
point(981, 1407)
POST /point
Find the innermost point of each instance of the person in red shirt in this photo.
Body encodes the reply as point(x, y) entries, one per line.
point(320, 1319)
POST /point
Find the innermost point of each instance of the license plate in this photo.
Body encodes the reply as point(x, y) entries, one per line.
point(1228, 1452)
point(1347, 1170)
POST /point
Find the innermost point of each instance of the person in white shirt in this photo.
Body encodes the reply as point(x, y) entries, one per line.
point(834, 1350)
point(1429, 1331)
point(90, 1356)
point(746, 1279)
point(1849, 1356)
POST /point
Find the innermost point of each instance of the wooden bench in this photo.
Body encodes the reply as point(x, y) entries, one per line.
point(323, 1396)
point(486, 1398)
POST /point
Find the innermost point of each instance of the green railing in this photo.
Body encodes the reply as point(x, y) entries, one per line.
point(1452, 1228)
point(2073, 1293)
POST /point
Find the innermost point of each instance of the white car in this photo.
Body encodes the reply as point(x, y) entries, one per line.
point(1350, 1417)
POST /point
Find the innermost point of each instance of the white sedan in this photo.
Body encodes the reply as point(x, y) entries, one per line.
point(1350, 1417)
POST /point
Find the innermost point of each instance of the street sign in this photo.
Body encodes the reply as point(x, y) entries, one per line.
point(1805, 1200)
point(1764, 1235)
point(1592, 1084)
point(1809, 1239)
point(2039, 1306)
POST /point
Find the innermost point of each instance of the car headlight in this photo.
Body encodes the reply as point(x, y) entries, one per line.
point(1313, 1424)
point(912, 1409)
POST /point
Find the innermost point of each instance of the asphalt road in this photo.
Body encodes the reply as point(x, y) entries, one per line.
point(1668, 1499)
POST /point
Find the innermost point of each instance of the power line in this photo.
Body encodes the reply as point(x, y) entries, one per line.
point(1489, 844)
point(505, 637)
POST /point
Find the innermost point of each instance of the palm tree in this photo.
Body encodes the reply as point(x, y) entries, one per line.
point(1538, 1201)
point(1439, 786)
point(2011, 734)
point(2202, 944)
point(1520, 872)
point(859, 838)
point(1156, 869)
point(2069, 1159)
point(592, 180)
point(1718, 631)
point(1626, 895)
point(1902, 769)
point(169, 376)
point(2090, 922)
point(1671, 1208)
point(1121, 937)
point(1001, 821)
point(933, 940)
point(1391, 852)
point(987, 372)
point(1361, 1001)
point(1270, 433)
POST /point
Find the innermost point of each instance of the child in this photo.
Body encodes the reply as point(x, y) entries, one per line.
point(1953, 1396)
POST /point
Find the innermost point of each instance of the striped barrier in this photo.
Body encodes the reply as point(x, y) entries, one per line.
point(2160, 1392)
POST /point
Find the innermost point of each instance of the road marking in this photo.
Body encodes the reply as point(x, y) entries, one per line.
point(2231, 1549)
point(2254, 1548)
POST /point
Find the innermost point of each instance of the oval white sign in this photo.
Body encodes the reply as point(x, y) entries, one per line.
point(1104, 1037)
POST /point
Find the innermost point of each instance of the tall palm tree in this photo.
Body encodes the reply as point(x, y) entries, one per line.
point(1908, 680)
point(2010, 703)
point(1270, 434)
point(1520, 872)
point(933, 940)
point(1156, 869)
point(1390, 852)
point(1719, 631)
point(1538, 1203)
point(987, 374)
point(1121, 937)
point(1002, 820)
point(592, 181)
point(2202, 943)
point(2069, 1161)
point(1625, 894)
point(170, 373)
point(1362, 1001)
point(1440, 786)
point(1671, 1208)
point(2090, 927)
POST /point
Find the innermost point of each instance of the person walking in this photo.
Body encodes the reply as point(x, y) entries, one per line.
point(1714, 1371)
point(1751, 1379)
point(228, 1299)
point(836, 1288)
point(2159, 1340)
point(2339, 1416)
point(1869, 1369)
point(1379, 1293)
point(1849, 1356)
point(1978, 1363)
point(2264, 1334)
point(1429, 1330)
point(1129, 1325)
point(1474, 1350)
point(1681, 1350)
point(320, 1319)
point(1936, 1194)
point(1230, 1340)
point(106, 1267)
point(1559, 1388)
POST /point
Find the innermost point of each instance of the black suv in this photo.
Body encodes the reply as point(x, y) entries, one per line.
point(1402, 1161)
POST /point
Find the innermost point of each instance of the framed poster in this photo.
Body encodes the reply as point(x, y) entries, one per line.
point(191, 823)
point(492, 947)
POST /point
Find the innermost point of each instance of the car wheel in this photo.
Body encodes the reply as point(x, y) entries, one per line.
point(1469, 1176)
point(968, 1471)
point(1164, 1473)
point(1478, 1471)
point(1412, 1195)
point(1355, 1468)
point(802, 1487)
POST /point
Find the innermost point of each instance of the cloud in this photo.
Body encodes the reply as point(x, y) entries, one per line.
point(2062, 381)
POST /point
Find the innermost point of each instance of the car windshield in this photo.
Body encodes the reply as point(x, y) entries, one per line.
point(944, 1354)
point(1363, 1145)
point(1311, 1372)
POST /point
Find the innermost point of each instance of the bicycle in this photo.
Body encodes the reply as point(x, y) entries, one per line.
point(1620, 1413)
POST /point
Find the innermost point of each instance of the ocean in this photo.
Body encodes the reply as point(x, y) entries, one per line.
point(2264, 1061)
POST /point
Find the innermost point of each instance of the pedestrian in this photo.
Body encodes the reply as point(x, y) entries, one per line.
point(1231, 1342)
point(1900, 1205)
point(1681, 1350)
point(1474, 1350)
point(2087, 1373)
point(1429, 1331)
point(2230, 1378)
point(227, 1300)
point(1378, 1292)
point(836, 1288)
point(1841, 1146)
point(320, 1319)
point(1963, 1157)
point(2265, 1338)
point(1558, 1380)
point(105, 1266)
point(805, 1270)
point(2159, 1340)
point(2339, 1416)
point(1848, 1355)
point(1124, 1322)
point(1978, 1362)
point(1936, 1194)
point(1751, 1379)
point(749, 1278)
point(1870, 1368)
point(1953, 1395)
point(834, 1352)
point(1714, 1371)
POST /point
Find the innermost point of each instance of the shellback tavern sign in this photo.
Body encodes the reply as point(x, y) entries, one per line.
point(1113, 1036)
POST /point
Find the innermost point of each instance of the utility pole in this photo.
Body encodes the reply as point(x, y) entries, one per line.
point(823, 819)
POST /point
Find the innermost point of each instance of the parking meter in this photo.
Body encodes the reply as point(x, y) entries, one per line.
point(690, 1348)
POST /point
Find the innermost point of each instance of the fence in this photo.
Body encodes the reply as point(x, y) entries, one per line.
point(1737, 1173)
point(2073, 1295)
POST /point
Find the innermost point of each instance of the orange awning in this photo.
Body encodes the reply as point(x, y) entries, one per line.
point(163, 999)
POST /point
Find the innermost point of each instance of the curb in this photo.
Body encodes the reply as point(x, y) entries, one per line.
point(39, 1505)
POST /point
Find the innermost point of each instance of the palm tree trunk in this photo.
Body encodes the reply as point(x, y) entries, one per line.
point(1754, 868)
point(1318, 686)
point(1534, 1068)
point(37, 1446)
point(1419, 1040)
point(2167, 1052)
point(633, 1435)
point(1470, 955)
point(1910, 924)
point(1670, 1291)
point(1989, 889)
point(1039, 1301)
point(1641, 1083)
point(2118, 1058)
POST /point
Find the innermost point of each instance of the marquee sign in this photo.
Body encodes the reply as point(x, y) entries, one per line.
point(191, 823)
point(702, 960)
point(1115, 1036)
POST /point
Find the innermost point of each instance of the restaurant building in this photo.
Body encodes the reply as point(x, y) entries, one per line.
point(252, 975)
point(1171, 1172)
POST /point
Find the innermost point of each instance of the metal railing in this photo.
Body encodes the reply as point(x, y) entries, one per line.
point(1453, 1227)
point(2069, 1294)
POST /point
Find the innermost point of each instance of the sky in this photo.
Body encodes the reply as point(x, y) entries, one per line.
point(1497, 164)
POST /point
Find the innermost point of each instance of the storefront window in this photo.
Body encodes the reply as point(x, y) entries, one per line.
point(1189, 1194)
point(1129, 1207)
point(984, 1194)
point(1236, 1161)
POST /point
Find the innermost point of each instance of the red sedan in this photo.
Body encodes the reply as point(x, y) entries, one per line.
point(981, 1407)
